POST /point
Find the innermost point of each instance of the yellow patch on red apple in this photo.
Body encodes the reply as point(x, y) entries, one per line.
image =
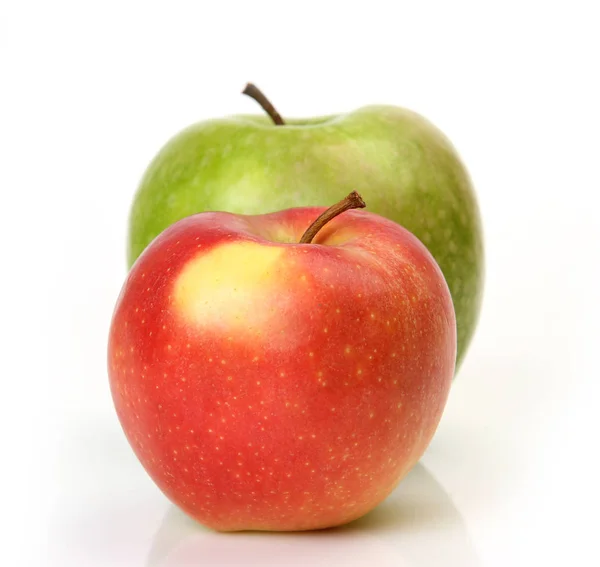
point(230, 285)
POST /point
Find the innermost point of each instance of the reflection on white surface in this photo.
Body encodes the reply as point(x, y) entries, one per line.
point(110, 514)
point(418, 526)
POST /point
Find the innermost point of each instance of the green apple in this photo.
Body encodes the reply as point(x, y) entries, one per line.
point(404, 167)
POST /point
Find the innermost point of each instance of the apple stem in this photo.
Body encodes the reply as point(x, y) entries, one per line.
point(352, 201)
point(254, 92)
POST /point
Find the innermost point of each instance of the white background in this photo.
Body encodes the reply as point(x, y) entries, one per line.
point(90, 91)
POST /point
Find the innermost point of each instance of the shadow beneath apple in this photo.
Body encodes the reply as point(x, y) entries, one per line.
point(417, 526)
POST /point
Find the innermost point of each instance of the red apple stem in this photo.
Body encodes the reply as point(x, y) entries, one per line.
point(254, 92)
point(352, 201)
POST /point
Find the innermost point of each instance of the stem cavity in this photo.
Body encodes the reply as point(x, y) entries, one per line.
point(352, 201)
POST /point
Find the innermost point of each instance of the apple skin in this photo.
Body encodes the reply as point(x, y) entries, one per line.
point(269, 385)
point(403, 166)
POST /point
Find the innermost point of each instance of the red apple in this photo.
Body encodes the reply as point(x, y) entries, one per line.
point(268, 384)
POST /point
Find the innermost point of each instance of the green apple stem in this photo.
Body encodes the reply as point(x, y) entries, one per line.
point(352, 201)
point(254, 92)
